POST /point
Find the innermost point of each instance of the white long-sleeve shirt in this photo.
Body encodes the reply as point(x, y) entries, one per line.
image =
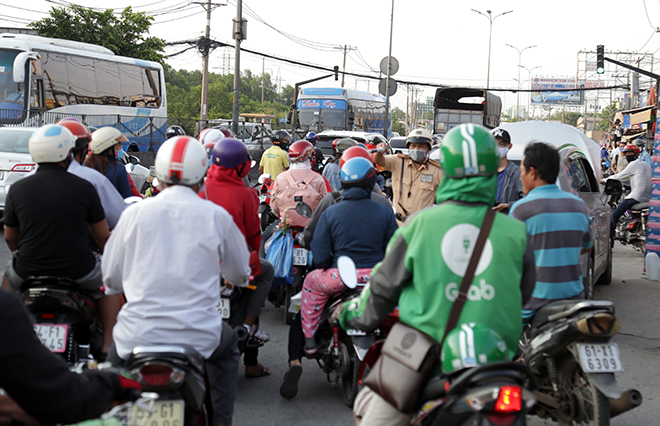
point(640, 180)
point(166, 255)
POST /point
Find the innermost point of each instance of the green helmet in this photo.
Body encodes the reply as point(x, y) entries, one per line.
point(471, 345)
point(469, 150)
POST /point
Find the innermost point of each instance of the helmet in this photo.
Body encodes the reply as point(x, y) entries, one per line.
point(419, 136)
point(311, 137)
point(181, 160)
point(210, 136)
point(469, 150)
point(341, 145)
point(105, 138)
point(174, 131)
point(631, 148)
point(228, 133)
point(232, 154)
point(355, 151)
point(281, 138)
point(301, 151)
point(208, 147)
point(640, 142)
point(79, 130)
point(484, 346)
point(51, 144)
point(357, 172)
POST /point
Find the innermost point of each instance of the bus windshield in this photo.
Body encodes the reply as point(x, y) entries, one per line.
point(320, 119)
point(12, 96)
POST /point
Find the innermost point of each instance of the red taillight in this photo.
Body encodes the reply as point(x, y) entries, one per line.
point(156, 374)
point(509, 400)
point(47, 316)
point(23, 168)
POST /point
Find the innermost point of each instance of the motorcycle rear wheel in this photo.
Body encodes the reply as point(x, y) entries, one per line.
point(349, 382)
point(588, 405)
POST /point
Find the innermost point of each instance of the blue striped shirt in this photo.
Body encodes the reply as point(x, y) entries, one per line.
point(558, 228)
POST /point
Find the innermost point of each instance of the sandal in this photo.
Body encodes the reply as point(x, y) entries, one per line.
point(289, 388)
point(262, 372)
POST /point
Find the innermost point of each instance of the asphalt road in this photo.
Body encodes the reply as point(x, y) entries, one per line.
point(319, 403)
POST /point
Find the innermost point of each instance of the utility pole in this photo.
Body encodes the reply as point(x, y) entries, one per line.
point(208, 6)
point(344, 49)
point(263, 70)
point(240, 29)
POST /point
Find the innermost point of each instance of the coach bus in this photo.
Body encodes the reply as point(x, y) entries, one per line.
point(321, 109)
point(43, 80)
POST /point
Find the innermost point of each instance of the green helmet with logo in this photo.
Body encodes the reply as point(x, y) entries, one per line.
point(469, 150)
point(472, 345)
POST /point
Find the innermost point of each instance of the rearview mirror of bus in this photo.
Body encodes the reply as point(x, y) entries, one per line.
point(19, 65)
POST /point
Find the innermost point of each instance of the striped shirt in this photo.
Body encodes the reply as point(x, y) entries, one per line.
point(558, 228)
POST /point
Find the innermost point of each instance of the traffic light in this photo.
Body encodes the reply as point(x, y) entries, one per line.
point(600, 59)
point(336, 72)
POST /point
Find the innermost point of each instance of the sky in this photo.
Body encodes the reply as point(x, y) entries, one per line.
point(434, 41)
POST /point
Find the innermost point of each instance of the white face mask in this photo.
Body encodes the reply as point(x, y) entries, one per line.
point(417, 155)
point(502, 151)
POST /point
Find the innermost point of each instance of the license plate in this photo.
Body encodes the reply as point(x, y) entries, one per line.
point(224, 308)
point(353, 332)
point(165, 413)
point(53, 336)
point(600, 357)
point(299, 256)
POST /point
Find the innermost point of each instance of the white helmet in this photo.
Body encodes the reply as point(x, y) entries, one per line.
point(51, 144)
point(210, 136)
point(181, 160)
point(104, 138)
point(419, 136)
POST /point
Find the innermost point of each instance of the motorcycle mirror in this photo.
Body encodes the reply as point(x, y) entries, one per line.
point(252, 164)
point(129, 167)
point(303, 209)
point(263, 178)
point(347, 271)
point(613, 187)
point(133, 160)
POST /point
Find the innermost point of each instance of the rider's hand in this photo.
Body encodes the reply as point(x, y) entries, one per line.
point(383, 145)
point(501, 207)
point(334, 316)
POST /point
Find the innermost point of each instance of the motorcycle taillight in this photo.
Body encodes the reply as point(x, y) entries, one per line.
point(160, 375)
point(509, 400)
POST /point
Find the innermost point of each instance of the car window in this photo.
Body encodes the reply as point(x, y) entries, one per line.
point(15, 141)
point(576, 174)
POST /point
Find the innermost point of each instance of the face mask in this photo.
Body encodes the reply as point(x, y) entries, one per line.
point(502, 151)
point(120, 154)
point(417, 155)
point(630, 158)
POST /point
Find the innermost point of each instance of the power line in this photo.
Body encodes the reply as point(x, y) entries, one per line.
point(647, 15)
point(647, 41)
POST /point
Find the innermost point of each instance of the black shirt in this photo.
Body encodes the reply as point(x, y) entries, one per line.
point(51, 209)
point(39, 381)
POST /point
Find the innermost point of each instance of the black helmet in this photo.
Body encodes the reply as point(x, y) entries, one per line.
point(640, 142)
point(281, 138)
point(174, 131)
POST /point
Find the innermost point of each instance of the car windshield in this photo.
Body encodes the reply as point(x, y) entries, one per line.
point(15, 140)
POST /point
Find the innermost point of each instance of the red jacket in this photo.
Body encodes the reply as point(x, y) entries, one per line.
point(227, 190)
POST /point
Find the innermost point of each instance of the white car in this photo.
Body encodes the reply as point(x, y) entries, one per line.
point(15, 159)
point(328, 136)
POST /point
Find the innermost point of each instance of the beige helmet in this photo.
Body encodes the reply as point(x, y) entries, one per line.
point(104, 138)
point(419, 136)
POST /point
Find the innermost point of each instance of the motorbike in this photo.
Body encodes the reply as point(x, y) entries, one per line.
point(266, 215)
point(64, 316)
point(177, 374)
point(568, 346)
point(632, 226)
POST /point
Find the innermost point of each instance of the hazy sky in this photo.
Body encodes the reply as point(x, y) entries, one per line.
point(435, 41)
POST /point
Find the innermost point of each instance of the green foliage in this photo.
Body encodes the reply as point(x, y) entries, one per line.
point(125, 35)
point(397, 126)
point(606, 117)
point(565, 117)
point(398, 114)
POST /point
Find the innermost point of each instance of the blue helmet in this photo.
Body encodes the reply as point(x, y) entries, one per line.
point(358, 171)
point(311, 137)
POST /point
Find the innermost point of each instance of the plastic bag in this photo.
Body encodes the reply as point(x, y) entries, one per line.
point(280, 253)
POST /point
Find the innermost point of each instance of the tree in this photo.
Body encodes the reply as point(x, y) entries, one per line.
point(606, 117)
point(125, 34)
point(566, 117)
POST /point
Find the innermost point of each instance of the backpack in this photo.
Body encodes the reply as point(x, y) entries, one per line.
point(292, 195)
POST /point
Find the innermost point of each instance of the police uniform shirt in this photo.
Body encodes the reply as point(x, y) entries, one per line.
point(413, 188)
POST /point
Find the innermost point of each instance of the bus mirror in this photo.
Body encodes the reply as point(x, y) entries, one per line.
point(351, 118)
point(288, 117)
point(19, 65)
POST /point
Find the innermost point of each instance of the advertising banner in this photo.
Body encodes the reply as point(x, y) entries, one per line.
point(653, 238)
point(544, 91)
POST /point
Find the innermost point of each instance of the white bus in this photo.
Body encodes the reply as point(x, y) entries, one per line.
point(43, 80)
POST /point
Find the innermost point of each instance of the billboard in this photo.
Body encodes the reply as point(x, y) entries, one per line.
point(544, 91)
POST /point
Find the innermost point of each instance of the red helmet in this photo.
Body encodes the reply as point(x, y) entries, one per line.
point(631, 148)
point(79, 130)
point(334, 144)
point(228, 133)
point(301, 151)
point(355, 151)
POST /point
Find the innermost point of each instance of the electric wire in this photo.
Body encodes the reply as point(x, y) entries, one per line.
point(647, 41)
point(647, 15)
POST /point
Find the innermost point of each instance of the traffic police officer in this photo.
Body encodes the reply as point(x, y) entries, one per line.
point(415, 177)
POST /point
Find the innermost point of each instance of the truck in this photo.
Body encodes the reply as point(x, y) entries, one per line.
point(457, 105)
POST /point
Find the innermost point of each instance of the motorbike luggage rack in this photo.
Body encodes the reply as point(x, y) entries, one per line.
point(47, 282)
point(178, 352)
point(587, 304)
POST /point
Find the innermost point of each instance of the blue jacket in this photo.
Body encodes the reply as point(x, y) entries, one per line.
point(357, 227)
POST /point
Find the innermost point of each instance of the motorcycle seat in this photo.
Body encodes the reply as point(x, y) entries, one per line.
point(183, 353)
point(56, 283)
point(564, 308)
point(640, 206)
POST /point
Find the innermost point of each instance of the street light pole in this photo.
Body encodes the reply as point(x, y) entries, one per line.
point(490, 36)
point(520, 51)
point(529, 77)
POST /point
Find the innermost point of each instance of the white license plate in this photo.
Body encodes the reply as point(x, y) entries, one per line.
point(165, 413)
point(299, 256)
point(224, 308)
point(353, 332)
point(53, 336)
point(600, 357)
